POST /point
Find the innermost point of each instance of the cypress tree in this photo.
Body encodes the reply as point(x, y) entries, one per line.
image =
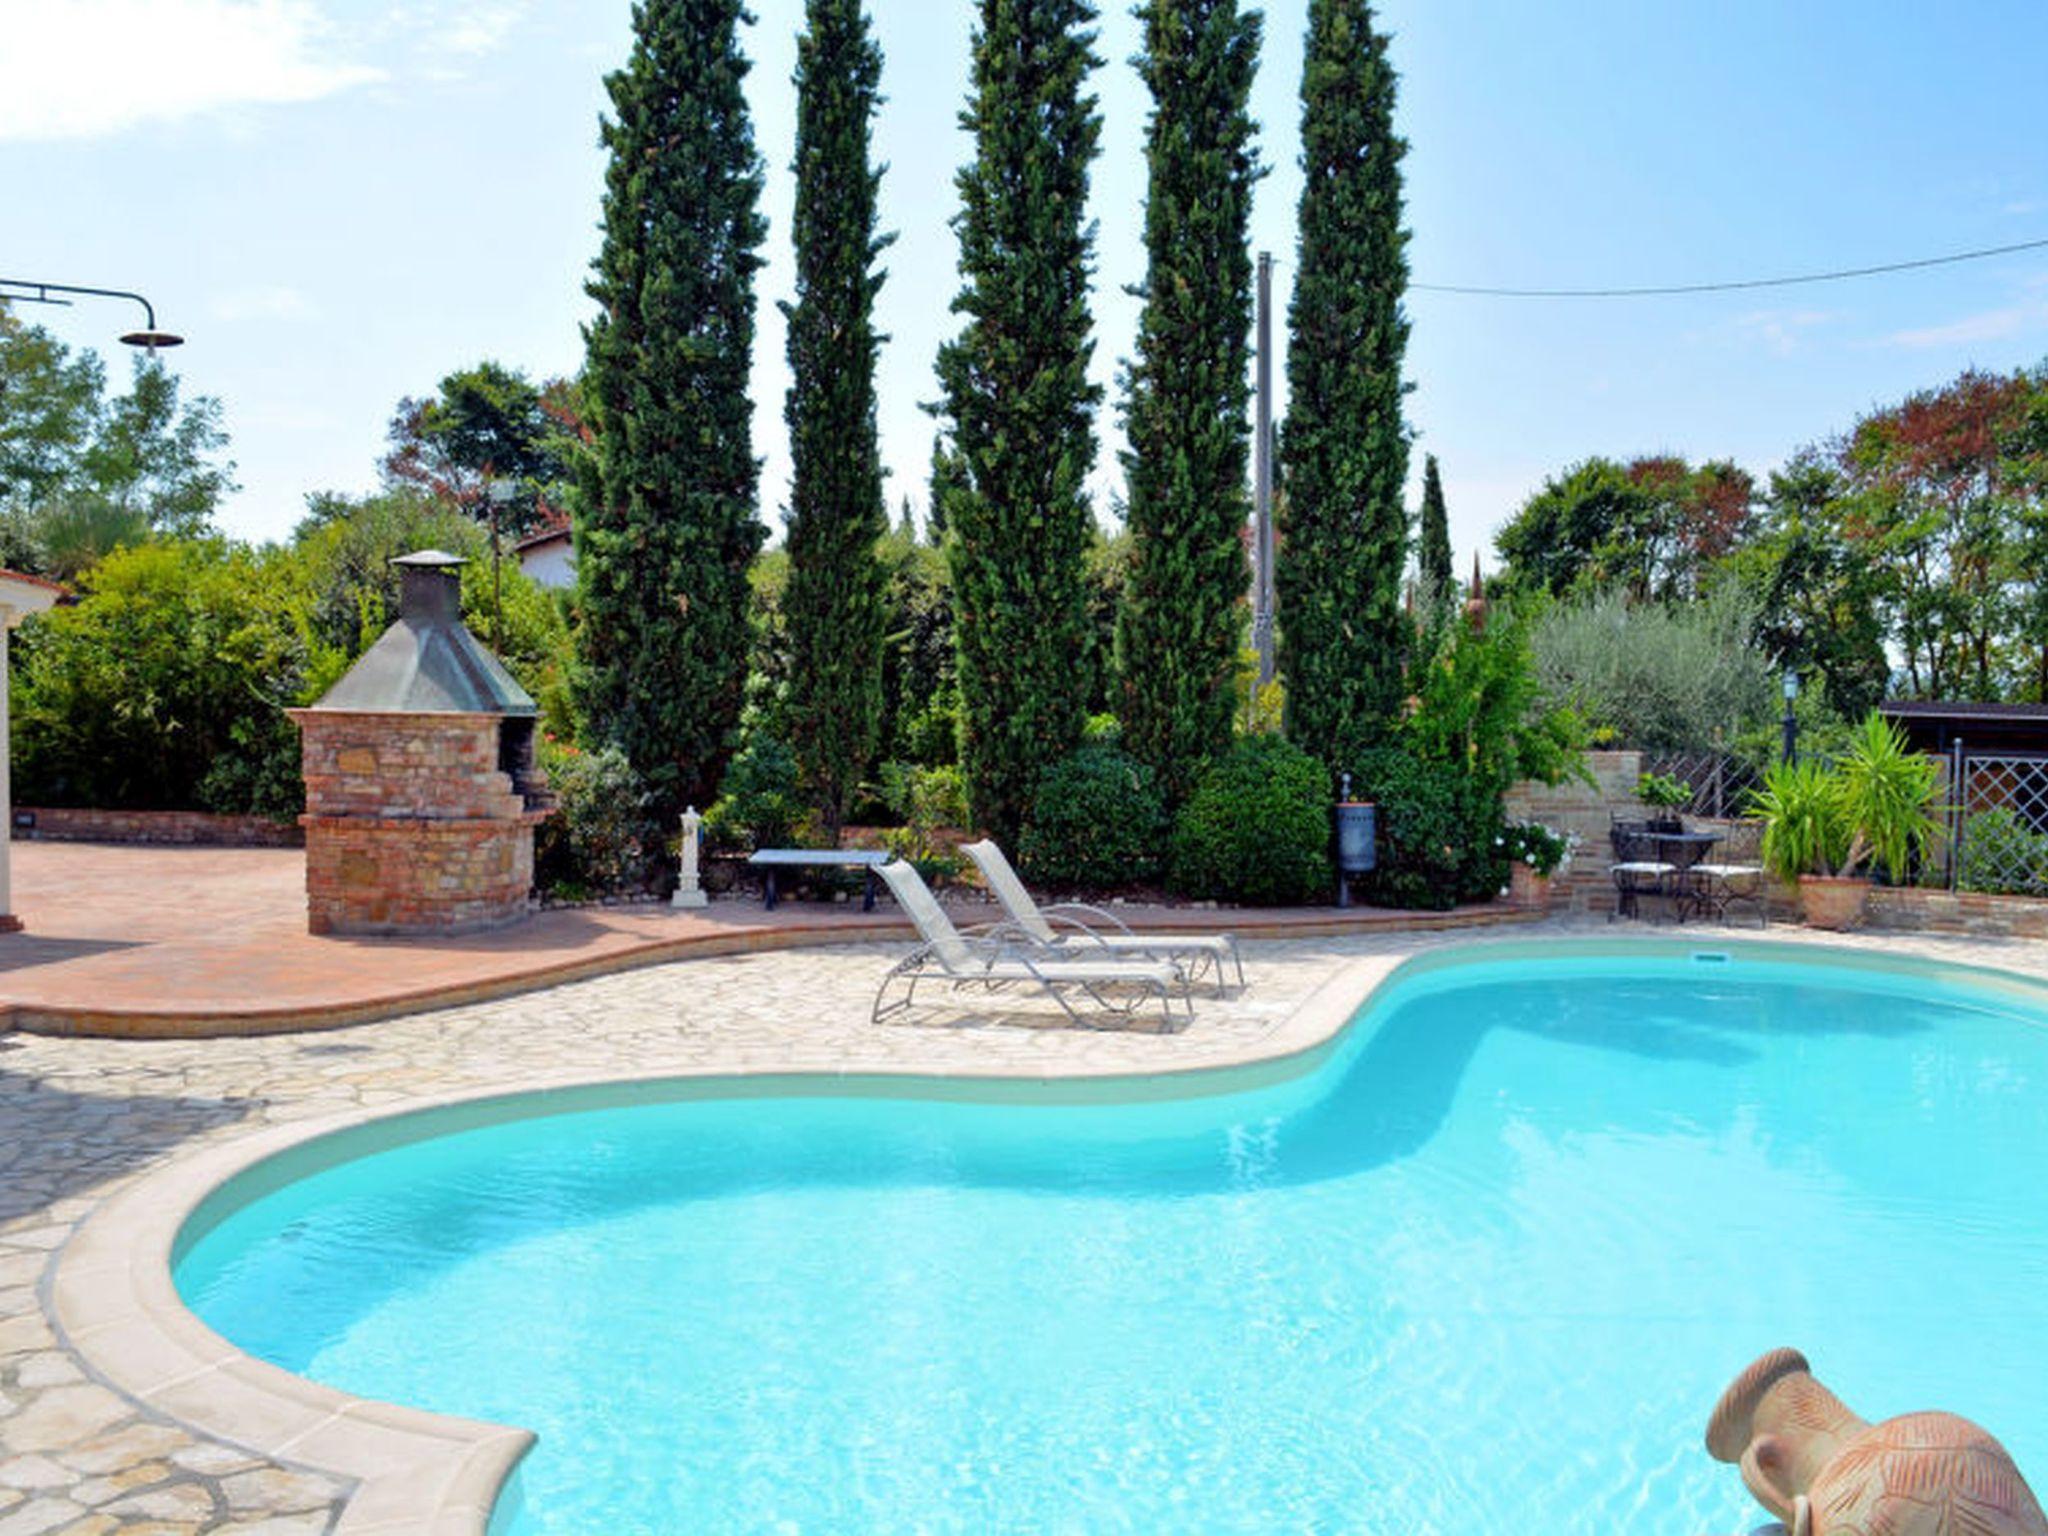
point(1185, 410)
point(1018, 404)
point(1344, 450)
point(1433, 553)
point(836, 607)
point(668, 524)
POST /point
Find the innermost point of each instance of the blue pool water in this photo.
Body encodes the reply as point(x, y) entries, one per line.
point(1484, 1271)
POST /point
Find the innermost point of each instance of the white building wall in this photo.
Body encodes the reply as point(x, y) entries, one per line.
point(552, 564)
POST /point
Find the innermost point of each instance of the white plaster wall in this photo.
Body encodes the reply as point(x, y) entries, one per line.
point(552, 565)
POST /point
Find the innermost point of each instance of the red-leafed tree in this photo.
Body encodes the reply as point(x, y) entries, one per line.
point(1943, 496)
point(1652, 527)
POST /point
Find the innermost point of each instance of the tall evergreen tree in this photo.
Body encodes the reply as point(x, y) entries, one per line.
point(836, 606)
point(1345, 446)
point(1433, 553)
point(1177, 631)
point(667, 520)
point(1018, 404)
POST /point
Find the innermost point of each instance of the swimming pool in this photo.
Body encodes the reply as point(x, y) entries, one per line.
point(1485, 1267)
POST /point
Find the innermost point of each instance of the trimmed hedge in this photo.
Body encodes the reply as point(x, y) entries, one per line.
point(1097, 820)
point(1257, 827)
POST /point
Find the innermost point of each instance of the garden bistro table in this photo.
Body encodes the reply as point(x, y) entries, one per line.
point(1682, 850)
point(775, 860)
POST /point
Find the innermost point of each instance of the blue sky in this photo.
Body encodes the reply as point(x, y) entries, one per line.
point(338, 201)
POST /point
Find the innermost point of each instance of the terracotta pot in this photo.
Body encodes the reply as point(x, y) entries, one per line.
point(1526, 888)
point(1824, 1471)
point(1827, 901)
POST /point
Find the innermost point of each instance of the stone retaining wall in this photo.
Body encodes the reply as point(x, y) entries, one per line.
point(69, 824)
point(1911, 910)
point(1583, 811)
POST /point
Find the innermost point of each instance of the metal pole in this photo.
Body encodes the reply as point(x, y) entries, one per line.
point(1958, 792)
point(497, 587)
point(1262, 481)
point(1791, 734)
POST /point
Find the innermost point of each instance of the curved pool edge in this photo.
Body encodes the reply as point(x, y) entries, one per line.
point(112, 1298)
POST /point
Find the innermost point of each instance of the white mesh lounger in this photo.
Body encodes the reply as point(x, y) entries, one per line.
point(994, 964)
point(1106, 934)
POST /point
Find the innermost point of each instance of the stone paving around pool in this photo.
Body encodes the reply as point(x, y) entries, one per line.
point(81, 1118)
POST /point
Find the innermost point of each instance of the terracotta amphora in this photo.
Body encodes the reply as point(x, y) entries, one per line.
point(1826, 1472)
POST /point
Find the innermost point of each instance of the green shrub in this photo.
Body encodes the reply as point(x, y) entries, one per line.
point(760, 804)
point(928, 801)
point(1426, 839)
point(594, 843)
point(1097, 820)
point(2003, 855)
point(165, 687)
point(1480, 723)
point(1257, 827)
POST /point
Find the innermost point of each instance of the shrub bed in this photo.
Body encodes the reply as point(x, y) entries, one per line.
point(1257, 827)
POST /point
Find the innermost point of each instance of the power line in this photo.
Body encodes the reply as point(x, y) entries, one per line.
point(1754, 282)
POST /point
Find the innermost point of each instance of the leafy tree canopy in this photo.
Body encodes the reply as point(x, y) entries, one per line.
point(82, 471)
point(1652, 527)
point(490, 423)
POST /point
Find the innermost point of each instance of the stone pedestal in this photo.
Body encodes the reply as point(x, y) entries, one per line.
point(412, 824)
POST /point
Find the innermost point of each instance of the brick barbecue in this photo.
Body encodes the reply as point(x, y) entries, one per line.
point(422, 791)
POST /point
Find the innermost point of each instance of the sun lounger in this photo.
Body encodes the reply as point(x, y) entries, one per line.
point(1074, 928)
point(995, 962)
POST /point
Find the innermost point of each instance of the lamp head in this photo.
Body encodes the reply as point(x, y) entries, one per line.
point(151, 340)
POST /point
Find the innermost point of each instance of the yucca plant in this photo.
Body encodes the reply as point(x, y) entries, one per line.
point(1874, 808)
point(1887, 793)
point(1806, 830)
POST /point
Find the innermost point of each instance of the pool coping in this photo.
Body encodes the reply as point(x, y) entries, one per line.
point(413, 1472)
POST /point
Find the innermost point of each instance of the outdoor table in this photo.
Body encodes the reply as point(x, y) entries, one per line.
point(1682, 850)
point(774, 860)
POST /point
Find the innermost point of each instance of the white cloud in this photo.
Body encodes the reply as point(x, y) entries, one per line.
point(87, 68)
point(1987, 325)
point(444, 36)
point(475, 29)
point(271, 303)
point(1780, 329)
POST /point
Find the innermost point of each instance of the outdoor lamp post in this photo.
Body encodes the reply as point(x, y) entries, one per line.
point(1791, 720)
point(498, 494)
point(149, 338)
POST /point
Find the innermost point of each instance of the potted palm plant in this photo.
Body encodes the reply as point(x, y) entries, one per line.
point(1826, 828)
